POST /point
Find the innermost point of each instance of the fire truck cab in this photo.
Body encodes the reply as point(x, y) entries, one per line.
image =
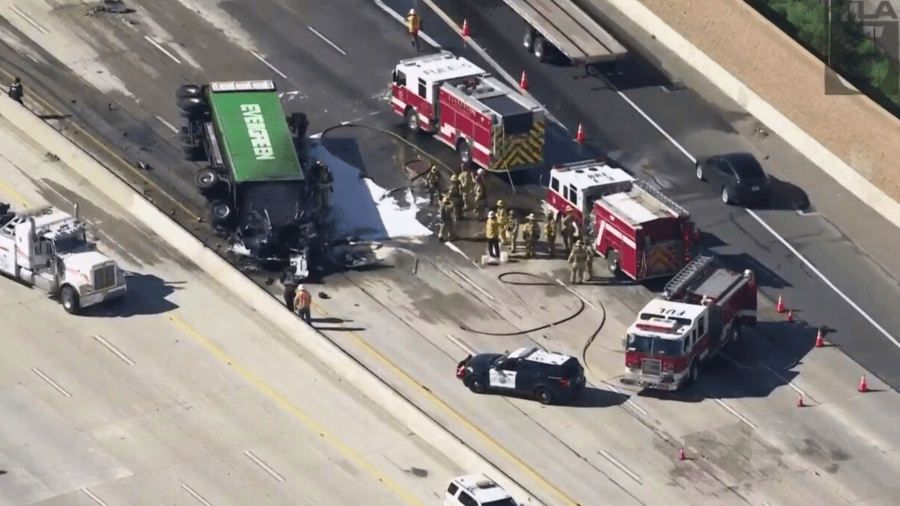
point(702, 309)
point(574, 187)
point(484, 120)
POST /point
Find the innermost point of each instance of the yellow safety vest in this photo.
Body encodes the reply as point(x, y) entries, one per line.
point(412, 23)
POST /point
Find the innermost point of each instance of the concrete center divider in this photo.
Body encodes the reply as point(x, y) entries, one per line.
point(264, 303)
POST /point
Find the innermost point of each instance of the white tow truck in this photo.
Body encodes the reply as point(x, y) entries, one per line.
point(48, 248)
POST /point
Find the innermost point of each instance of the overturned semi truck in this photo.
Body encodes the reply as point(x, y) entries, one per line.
point(250, 171)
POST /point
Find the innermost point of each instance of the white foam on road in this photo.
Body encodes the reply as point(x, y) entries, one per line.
point(12, 40)
point(361, 209)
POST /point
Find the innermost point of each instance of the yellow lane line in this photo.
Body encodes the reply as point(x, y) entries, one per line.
point(310, 423)
point(458, 417)
point(81, 131)
point(12, 192)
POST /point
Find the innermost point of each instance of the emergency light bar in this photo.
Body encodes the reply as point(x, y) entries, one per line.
point(659, 325)
point(243, 86)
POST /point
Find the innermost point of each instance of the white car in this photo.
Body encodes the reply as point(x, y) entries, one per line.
point(476, 490)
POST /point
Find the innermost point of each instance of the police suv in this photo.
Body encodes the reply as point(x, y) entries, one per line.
point(546, 376)
point(476, 490)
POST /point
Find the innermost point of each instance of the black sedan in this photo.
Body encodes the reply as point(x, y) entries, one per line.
point(739, 176)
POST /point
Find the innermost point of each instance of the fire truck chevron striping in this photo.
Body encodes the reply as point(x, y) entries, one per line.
point(486, 121)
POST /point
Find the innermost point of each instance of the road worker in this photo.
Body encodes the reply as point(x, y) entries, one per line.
point(455, 193)
point(513, 231)
point(550, 230)
point(433, 184)
point(492, 232)
point(480, 198)
point(567, 231)
point(531, 235)
point(16, 92)
point(302, 304)
point(447, 221)
point(467, 187)
point(577, 260)
point(503, 219)
point(413, 25)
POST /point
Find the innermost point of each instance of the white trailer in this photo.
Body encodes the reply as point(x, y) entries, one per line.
point(565, 26)
point(48, 249)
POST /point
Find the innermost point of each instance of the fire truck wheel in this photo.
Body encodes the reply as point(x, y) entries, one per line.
point(69, 298)
point(543, 395)
point(187, 91)
point(412, 120)
point(612, 261)
point(476, 384)
point(528, 39)
point(694, 372)
point(463, 150)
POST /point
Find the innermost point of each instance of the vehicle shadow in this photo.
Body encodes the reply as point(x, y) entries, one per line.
point(786, 196)
point(590, 397)
point(147, 295)
point(762, 361)
point(765, 277)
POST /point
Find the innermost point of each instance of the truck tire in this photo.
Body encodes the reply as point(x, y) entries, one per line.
point(541, 47)
point(220, 213)
point(191, 104)
point(69, 299)
point(412, 120)
point(188, 91)
point(543, 395)
point(693, 374)
point(463, 151)
point(206, 179)
point(476, 384)
point(528, 39)
point(612, 262)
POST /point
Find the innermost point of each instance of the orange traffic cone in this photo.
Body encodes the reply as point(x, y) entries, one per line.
point(779, 307)
point(863, 386)
point(523, 83)
point(465, 28)
point(681, 455)
point(820, 339)
point(800, 403)
point(580, 137)
point(790, 316)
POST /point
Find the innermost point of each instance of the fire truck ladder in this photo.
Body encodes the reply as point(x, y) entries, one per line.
point(662, 198)
point(683, 279)
point(579, 165)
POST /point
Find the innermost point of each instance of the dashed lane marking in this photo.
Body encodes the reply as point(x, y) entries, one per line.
point(308, 421)
point(115, 351)
point(620, 466)
point(628, 401)
point(734, 412)
point(167, 124)
point(267, 64)
point(50, 382)
point(195, 495)
point(165, 51)
point(573, 292)
point(93, 497)
point(332, 44)
point(461, 344)
point(265, 467)
point(28, 19)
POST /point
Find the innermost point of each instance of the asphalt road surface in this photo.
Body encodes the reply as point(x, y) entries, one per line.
point(180, 394)
point(739, 425)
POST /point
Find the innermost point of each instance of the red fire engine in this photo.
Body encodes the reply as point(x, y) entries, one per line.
point(702, 309)
point(641, 232)
point(484, 120)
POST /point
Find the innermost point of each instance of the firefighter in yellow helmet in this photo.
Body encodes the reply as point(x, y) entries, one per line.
point(531, 235)
point(503, 219)
point(512, 231)
point(413, 25)
point(550, 230)
point(433, 184)
point(492, 232)
point(577, 260)
point(467, 188)
point(455, 194)
point(446, 215)
point(480, 195)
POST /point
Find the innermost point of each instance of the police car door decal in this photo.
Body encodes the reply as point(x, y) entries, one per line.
point(503, 379)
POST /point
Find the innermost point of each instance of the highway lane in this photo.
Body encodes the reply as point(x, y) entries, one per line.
point(848, 250)
point(181, 394)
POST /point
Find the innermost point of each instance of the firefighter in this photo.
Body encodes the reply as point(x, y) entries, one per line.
point(492, 232)
point(577, 259)
point(413, 25)
point(455, 194)
point(567, 231)
point(589, 255)
point(503, 219)
point(302, 303)
point(324, 185)
point(513, 231)
point(531, 235)
point(480, 198)
point(466, 186)
point(16, 92)
point(550, 230)
point(433, 184)
point(446, 229)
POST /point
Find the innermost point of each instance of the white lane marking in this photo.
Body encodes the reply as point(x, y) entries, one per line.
point(93, 497)
point(164, 50)
point(267, 64)
point(394, 14)
point(631, 474)
point(731, 410)
point(256, 460)
point(790, 384)
point(628, 401)
point(456, 249)
point(28, 19)
point(462, 344)
point(167, 124)
point(826, 280)
point(573, 292)
point(50, 382)
point(196, 496)
point(781, 239)
point(472, 283)
point(332, 44)
point(115, 351)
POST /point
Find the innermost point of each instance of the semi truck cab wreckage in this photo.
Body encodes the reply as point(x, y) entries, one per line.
point(48, 249)
point(702, 309)
point(254, 179)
